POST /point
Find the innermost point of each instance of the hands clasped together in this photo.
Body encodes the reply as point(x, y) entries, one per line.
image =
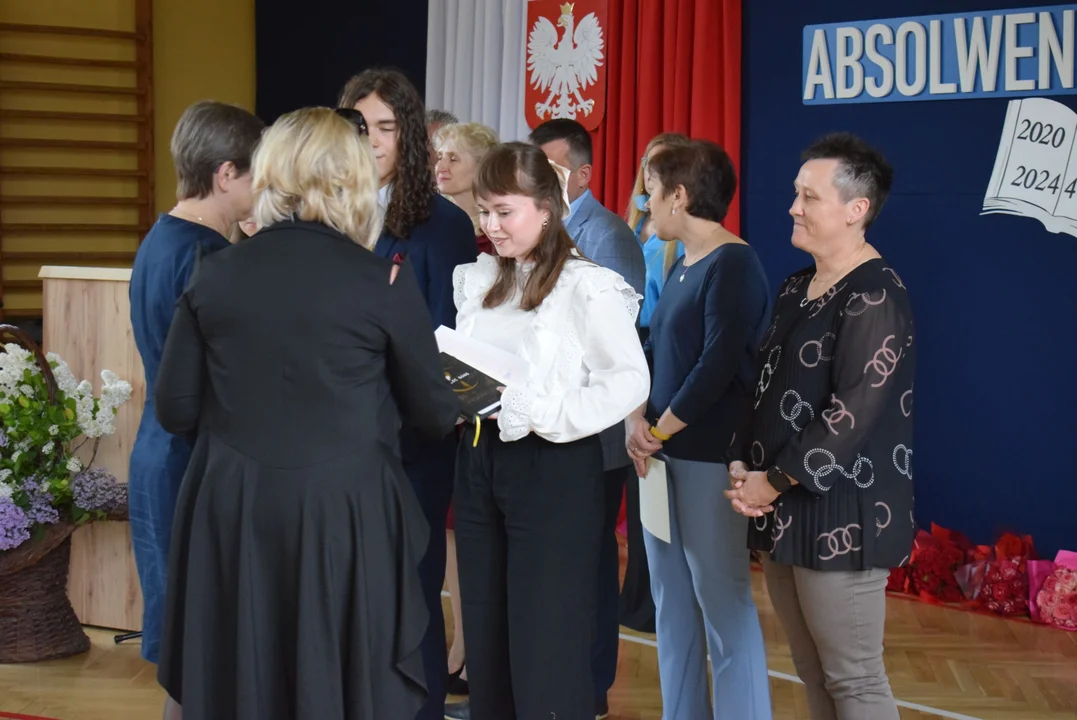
point(750, 492)
point(639, 442)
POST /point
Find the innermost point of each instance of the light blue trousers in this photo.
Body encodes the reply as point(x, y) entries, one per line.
point(701, 582)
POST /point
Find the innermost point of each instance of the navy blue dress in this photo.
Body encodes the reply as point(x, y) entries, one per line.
point(433, 250)
point(163, 265)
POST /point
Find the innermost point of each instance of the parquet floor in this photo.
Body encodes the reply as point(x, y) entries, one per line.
point(948, 663)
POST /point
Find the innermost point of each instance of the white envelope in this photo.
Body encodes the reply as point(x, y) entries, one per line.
point(487, 359)
point(654, 500)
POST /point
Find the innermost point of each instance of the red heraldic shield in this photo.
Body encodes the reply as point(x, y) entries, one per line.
point(566, 61)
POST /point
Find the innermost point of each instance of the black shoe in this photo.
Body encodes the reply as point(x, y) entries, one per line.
point(457, 685)
point(458, 711)
point(602, 709)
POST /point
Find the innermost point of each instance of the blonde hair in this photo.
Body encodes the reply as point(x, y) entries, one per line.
point(475, 138)
point(633, 215)
point(312, 164)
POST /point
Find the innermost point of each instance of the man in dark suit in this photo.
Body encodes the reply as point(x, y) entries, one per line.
point(435, 237)
point(606, 239)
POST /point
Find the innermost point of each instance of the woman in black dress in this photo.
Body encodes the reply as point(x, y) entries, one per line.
point(293, 587)
point(822, 461)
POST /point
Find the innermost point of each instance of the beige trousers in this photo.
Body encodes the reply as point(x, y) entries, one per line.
point(834, 623)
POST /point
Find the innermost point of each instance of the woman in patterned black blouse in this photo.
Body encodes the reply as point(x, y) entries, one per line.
point(822, 460)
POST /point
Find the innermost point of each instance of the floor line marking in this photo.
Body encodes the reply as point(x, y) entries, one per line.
point(794, 679)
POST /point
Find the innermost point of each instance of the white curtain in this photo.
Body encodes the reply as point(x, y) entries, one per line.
point(475, 62)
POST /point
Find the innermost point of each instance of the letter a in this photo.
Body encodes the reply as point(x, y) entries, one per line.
point(819, 68)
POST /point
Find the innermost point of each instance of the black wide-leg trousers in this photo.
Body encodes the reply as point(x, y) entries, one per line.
point(528, 520)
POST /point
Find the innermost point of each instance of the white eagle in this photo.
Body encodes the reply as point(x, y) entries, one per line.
point(566, 65)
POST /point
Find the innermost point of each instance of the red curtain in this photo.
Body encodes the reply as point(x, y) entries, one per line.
point(672, 66)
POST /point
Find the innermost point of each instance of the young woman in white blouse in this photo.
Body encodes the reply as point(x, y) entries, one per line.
point(529, 498)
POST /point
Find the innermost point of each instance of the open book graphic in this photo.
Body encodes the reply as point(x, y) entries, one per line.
point(1035, 171)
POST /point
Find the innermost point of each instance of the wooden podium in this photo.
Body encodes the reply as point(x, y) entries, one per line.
point(87, 322)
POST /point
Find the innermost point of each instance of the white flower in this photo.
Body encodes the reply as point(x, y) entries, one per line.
point(18, 356)
point(95, 416)
point(64, 379)
point(16, 456)
point(6, 491)
point(48, 448)
point(5, 474)
point(74, 464)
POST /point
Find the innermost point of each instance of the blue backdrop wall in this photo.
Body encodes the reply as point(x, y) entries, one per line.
point(995, 296)
point(306, 51)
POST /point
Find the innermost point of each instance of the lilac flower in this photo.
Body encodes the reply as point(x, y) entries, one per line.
point(41, 509)
point(98, 489)
point(14, 525)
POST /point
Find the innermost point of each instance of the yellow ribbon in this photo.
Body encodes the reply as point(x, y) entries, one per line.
point(478, 429)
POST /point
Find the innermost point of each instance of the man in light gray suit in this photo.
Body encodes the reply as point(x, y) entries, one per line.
point(606, 239)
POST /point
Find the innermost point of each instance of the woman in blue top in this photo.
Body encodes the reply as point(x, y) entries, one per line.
point(211, 150)
point(636, 603)
point(434, 236)
point(658, 255)
point(706, 327)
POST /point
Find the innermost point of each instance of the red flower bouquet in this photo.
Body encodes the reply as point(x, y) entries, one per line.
point(898, 580)
point(1057, 599)
point(935, 558)
point(1005, 587)
point(997, 577)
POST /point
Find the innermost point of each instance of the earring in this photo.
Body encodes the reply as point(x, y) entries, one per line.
point(673, 211)
point(545, 221)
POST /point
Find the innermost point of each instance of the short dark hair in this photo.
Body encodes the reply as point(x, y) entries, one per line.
point(862, 171)
point(209, 134)
point(580, 151)
point(706, 172)
point(413, 183)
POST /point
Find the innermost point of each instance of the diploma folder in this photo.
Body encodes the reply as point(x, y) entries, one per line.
point(476, 370)
point(478, 393)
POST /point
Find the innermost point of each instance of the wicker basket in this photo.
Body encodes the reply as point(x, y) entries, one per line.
point(37, 621)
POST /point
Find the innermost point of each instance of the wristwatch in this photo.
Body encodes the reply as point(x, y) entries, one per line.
point(778, 480)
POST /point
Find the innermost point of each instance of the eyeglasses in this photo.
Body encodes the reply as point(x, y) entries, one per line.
point(356, 118)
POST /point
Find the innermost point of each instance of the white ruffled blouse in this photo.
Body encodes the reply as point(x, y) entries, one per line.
point(587, 368)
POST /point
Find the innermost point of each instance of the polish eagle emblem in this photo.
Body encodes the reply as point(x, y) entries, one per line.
point(564, 64)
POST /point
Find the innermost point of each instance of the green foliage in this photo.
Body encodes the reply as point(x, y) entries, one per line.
point(39, 436)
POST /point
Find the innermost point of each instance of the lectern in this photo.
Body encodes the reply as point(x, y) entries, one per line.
point(87, 321)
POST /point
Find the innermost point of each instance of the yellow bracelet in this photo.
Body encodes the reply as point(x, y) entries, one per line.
point(659, 434)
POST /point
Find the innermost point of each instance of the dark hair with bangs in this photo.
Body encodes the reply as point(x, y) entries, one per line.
point(517, 168)
point(705, 171)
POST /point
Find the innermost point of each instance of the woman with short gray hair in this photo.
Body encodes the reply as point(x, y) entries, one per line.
point(211, 150)
point(822, 460)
